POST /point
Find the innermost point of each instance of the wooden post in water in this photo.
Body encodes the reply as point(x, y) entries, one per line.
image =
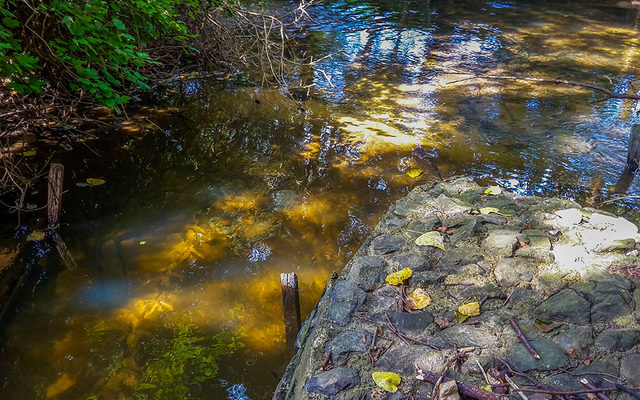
point(54, 201)
point(54, 206)
point(291, 306)
point(633, 161)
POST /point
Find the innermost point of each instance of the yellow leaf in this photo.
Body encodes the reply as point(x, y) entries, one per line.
point(29, 153)
point(95, 181)
point(414, 173)
point(432, 238)
point(460, 318)
point(419, 299)
point(389, 381)
point(493, 190)
point(488, 388)
point(470, 309)
point(397, 278)
point(142, 243)
point(35, 236)
point(489, 210)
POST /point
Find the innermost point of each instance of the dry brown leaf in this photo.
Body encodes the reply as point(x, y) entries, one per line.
point(442, 229)
point(571, 353)
point(443, 323)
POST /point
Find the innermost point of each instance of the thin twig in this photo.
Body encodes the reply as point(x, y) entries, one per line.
point(523, 339)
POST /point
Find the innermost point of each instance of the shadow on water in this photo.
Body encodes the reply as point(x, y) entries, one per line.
point(213, 189)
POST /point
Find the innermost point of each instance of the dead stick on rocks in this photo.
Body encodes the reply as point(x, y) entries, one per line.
point(629, 391)
point(515, 387)
point(466, 390)
point(523, 339)
point(590, 386)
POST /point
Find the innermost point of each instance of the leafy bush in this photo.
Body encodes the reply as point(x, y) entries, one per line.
point(93, 46)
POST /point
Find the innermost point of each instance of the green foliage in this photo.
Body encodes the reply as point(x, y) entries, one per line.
point(177, 365)
point(93, 46)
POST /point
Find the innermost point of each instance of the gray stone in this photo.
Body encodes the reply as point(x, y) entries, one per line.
point(413, 324)
point(459, 185)
point(345, 298)
point(385, 244)
point(448, 391)
point(465, 232)
point(565, 306)
point(414, 261)
point(551, 356)
point(535, 253)
point(432, 361)
point(618, 339)
point(367, 272)
point(426, 278)
point(494, 219)
point(455, 257)
point(630, 369)
point(395, 223)
point(397, 396)
point(425, 223)
point(511, 271)
point(400, 359)
point(333, 381)
point(608, 308)
point(500, 242)
point(469, 335)
point(406, 206)
point(451, 206)
point(348, 342)
point(623, 245)
point(578, 339)
point(597, 368)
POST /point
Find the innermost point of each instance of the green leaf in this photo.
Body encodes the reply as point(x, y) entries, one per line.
point(10, 22)
point(119, 24)
point(433, 239)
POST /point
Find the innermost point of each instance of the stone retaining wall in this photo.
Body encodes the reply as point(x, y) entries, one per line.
point(574, 267)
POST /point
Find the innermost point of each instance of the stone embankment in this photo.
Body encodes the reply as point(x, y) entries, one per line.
point(567, 275)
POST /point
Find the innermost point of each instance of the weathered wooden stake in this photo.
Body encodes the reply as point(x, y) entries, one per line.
point(633, 161)
point(54, 206)
point(291, 306)
point(54, 202)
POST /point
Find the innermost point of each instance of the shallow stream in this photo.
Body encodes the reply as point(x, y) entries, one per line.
point(214, 189)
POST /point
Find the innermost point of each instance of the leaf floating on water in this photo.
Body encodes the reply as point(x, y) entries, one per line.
point(388, 381)
point(397, 278)
point(419, 299)
point(35, 236)
point(95, 181)
point(82, 184)
point(489, 210)
point(415, 172)
point(493, 190)
point(432, 238)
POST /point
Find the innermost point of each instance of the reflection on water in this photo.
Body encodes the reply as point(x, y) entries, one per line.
point(214, 191)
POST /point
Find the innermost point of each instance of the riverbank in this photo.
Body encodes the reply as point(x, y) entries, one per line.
point(566, 275)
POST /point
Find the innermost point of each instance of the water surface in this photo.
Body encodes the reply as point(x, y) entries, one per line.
point(214, 188)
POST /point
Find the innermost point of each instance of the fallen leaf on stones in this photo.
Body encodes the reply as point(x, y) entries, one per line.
point(414, 173)
point(35, 236)
point(522, 244)
point(450, 231)
point(470, 309)
point(493, 190)
point(397, 278)
point(544, 326)
point(432, 238)
point(592, 396)
point(467, 310)
point(419, 299)
point(389, 381)
point(460, 318)
point(442, 323)
point(527, 226)
point(572, 353)
point(95, 181)
point(488, 388)
point(442, 229)
point(489, 210)
point(588, 361)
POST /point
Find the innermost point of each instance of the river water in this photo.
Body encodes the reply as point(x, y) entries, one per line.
point(215, 188)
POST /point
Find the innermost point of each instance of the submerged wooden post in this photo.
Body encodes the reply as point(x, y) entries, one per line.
point(54, 201)
point(633, 161)
point(291, 306)
point(54, 206)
